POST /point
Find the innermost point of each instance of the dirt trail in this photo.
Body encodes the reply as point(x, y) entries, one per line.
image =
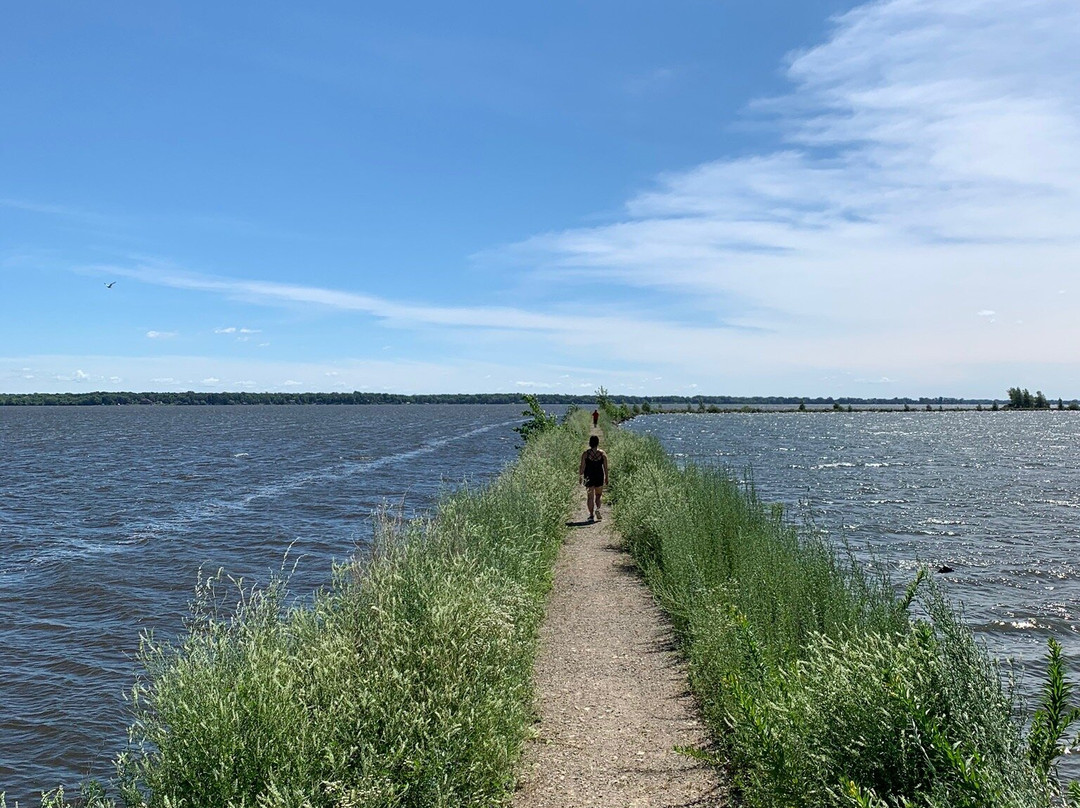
point(612, 693)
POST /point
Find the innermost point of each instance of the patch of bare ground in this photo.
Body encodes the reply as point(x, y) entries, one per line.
point(612, 692)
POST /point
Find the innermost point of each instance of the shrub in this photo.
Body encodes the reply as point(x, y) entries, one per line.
point(820, 687)
point(406, 683)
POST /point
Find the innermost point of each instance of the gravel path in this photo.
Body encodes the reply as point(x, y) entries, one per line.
point(612, 692)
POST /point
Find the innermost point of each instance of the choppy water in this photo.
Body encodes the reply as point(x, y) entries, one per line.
point(994, 496)
point(108, 513)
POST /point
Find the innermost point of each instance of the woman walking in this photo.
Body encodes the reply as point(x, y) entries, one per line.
point(593, 473)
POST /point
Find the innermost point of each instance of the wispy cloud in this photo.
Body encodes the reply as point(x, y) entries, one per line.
point(65, 211)
point(932, 160)
point(286, 293)
point(160, 334)
point(572, 330)
point(177, 372)
point(929, 171)
point(77, 376)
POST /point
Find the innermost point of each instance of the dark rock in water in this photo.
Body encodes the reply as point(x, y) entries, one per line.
point(945, 568)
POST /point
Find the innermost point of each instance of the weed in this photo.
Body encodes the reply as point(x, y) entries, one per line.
point(820, 686)
point(407, 682)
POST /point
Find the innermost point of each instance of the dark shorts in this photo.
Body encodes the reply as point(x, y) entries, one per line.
point(594, 483)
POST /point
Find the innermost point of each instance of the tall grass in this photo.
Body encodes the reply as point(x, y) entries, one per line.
point(405, 683)
point(821, 687)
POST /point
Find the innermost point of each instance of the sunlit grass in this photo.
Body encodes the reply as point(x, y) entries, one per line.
point(405, 683)
point(820, 686)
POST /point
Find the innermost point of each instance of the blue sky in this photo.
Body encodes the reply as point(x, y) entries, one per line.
point(779, 197)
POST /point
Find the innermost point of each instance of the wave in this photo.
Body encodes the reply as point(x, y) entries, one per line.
point(132, 536)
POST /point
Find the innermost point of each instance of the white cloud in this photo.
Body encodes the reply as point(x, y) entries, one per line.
point(929, 164)
point(177, 371)
point(932, 149)
point(235, 330)
point(392, 311)
point(77, 376)
point(160, 334)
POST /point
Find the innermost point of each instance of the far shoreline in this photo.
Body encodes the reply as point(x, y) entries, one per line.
point(633, 404)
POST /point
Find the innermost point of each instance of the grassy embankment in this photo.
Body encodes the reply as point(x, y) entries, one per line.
point(823, 688)
point(406, 683)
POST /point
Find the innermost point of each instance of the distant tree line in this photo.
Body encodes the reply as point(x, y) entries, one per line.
point(193, 398)
point(625, 405)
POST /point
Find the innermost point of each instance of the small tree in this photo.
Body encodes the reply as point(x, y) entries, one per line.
point(605, 404)
point(539, 421)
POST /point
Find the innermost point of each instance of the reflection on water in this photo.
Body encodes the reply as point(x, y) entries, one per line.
point(991, 495)
point(108, 513)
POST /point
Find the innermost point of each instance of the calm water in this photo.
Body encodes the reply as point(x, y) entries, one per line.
point(995, 496)
point(108, 513)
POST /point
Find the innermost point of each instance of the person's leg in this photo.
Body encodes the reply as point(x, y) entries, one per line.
point(599, 493)
point(591, 500)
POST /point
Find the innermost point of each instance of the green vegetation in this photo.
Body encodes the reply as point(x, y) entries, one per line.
point(538, 421)
point(626, 406)
point(190, 397)
point(406, 683)
point(822, 687)
point(1023, 400)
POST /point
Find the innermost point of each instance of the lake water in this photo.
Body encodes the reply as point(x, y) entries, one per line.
point(107, 515)
point(993, 495)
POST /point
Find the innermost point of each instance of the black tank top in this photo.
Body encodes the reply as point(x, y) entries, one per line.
point(594, 469)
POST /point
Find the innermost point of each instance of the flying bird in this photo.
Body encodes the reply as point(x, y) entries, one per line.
point(110, 285)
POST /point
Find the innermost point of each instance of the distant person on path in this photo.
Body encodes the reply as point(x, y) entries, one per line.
point(595, 416)
point(593, 472)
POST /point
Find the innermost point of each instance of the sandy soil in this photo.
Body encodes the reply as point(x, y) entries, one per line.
point(612, 694)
